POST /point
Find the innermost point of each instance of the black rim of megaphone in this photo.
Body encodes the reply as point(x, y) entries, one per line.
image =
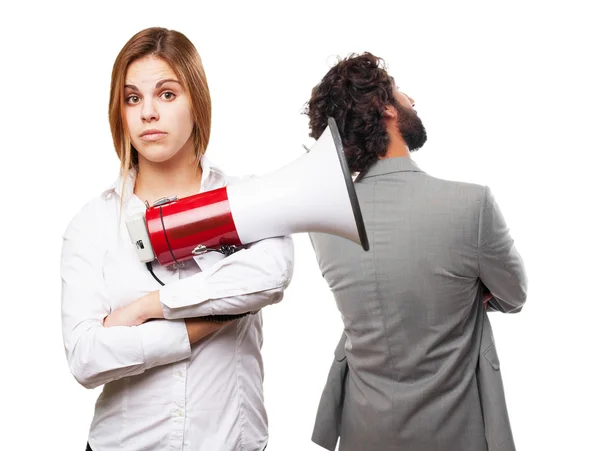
point(337, 139)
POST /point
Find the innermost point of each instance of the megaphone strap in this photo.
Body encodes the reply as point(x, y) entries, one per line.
point(162, 221)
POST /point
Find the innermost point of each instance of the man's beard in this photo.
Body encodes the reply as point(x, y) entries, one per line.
point(411, 128)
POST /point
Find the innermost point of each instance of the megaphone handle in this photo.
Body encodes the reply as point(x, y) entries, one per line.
point(212, 318)
point(225, 318)
point(225, 249)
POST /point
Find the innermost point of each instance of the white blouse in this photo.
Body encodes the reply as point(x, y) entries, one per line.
point(161, 393)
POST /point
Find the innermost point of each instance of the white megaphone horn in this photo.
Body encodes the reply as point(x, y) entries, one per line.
point(314, 193)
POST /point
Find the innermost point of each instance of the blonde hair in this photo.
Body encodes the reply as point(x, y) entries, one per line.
point(178, 51)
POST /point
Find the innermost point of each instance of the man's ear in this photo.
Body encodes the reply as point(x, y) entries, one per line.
point(390, 112)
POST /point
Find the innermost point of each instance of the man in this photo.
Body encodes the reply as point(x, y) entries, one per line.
point(416, 368)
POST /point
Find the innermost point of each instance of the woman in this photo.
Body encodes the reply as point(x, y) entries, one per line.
point(178, 381)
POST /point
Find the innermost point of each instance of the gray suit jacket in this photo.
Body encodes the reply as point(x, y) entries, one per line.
point(416, 367)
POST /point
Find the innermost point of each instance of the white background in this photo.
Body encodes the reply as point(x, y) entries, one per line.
point(509, 93)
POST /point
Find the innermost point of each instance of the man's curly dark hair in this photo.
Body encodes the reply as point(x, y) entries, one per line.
point(355, 93)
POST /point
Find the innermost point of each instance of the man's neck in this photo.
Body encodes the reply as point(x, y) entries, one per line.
point(396, 151)
point(396, 145)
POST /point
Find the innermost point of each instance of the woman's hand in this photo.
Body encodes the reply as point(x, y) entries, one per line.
point(136, 313)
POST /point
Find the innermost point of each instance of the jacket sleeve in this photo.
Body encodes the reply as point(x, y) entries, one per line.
point(95, 354)
point(501, 268)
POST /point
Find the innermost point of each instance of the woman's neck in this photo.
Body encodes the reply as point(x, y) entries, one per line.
point(167, 179)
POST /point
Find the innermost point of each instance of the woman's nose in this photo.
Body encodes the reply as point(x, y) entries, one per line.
point(149, 112)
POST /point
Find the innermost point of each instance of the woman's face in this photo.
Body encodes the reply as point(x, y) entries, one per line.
point(158, 112)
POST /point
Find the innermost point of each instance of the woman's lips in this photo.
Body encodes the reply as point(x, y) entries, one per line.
point(153, 135)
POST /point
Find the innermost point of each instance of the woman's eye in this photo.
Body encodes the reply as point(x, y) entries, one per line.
point(168, 95)
point(132, 100)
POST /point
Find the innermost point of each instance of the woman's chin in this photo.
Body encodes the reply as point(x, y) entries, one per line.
point(157, 157)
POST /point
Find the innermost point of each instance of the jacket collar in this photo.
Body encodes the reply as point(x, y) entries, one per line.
point(390, 165)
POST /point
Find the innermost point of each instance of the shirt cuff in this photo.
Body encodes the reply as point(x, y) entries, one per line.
point(191, 291)
point(164, 342)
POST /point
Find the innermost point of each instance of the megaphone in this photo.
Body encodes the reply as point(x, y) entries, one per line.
point(314, 193)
